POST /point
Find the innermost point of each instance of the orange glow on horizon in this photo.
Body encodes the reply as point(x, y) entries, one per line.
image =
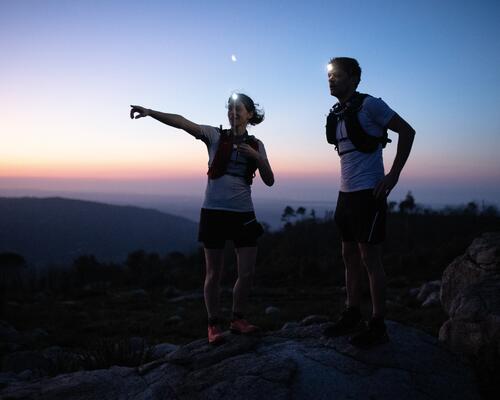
point(195, 168)
point(96, 171)
point(143, 169)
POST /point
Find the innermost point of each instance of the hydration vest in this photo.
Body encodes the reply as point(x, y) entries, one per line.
point(348, 112)
point(223, 155)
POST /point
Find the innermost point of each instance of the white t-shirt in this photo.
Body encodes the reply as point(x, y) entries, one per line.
point(359, 171)
point(229, 192)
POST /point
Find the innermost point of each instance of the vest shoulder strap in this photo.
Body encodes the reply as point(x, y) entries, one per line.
point(223, 154)
point(361, 140)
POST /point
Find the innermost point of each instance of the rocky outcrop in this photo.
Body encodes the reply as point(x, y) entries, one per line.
point(481, 261)
point(470, 294)
point(13, 340)
point(290, 363)
point(428, 294)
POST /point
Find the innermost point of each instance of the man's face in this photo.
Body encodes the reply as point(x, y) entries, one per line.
point(340, 82)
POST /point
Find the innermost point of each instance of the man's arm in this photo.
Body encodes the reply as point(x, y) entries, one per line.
point(405, 141)
point(177, 121)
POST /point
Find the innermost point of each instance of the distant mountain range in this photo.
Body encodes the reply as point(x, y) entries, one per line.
point(57, 230)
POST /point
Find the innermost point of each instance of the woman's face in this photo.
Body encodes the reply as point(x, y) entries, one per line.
point(238, 115)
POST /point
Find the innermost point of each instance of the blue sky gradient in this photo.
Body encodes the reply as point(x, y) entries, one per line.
point(70, 69)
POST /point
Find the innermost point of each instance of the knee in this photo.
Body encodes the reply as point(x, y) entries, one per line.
point(370, 261)
point(350, 257)
point(246, 276)
point(212, 276)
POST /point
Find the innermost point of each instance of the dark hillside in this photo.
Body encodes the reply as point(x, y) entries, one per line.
point(57, 230)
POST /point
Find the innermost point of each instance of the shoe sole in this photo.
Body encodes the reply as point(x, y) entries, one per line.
point(347, 332)
point(237, 332)
point(216, 342)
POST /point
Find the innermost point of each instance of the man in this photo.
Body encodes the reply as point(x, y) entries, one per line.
point(357, 126)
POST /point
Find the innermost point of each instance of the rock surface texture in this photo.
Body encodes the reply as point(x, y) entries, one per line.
point(292, 363)
point(470, 294)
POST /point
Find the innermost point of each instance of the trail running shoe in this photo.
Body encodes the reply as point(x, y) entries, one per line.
point(348, 322)
point(215, 334)
point(242, 326)
point(374, 334)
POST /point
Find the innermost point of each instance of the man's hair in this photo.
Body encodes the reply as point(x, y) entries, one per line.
point(348, 65)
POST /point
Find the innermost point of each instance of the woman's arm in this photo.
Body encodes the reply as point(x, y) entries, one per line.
point(177, 121)
point(265, 171)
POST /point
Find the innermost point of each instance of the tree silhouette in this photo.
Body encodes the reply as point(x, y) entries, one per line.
point(300, 211)
point(408, 204)
point(471, 208)
point(88, 269)
point(146, 269)
point(288, 213)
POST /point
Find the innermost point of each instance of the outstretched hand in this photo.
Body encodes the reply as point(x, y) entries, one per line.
point(141, 112)
point(385, 186)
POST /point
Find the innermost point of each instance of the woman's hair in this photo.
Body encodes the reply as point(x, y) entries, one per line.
point(258, 113)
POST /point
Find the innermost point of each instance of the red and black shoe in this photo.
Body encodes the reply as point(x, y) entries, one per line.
point(242, 326)
point(215, 335)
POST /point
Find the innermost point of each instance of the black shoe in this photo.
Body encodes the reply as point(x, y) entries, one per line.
point(349, 322)
point(375, 333)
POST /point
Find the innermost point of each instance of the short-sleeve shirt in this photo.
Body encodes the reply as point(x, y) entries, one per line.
point(360, 171)
point(230, 192)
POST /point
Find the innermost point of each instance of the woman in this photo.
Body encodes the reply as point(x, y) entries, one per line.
point(227, 212)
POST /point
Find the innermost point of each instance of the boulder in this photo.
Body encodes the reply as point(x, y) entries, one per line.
point(10, 338)
point(187, 297)
point(427, 289)
point(8, 378)
point(63, 359)
point(8, 333)
point(174, 319)
point(171, 291)
point(474, 324)
point(427, 295)
point(314, 319)
point(431, 300)
point(272, 310)
point(290, 325)
point(132, 296)
point(161, 350)
point(470, 295)
point(20, 361)
point(292, 363)
point(481, 260)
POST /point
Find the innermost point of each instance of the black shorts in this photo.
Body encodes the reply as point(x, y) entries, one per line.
point(217, 226)
point(360, 218)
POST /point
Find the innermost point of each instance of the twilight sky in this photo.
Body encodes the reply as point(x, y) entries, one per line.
point(70, 69)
